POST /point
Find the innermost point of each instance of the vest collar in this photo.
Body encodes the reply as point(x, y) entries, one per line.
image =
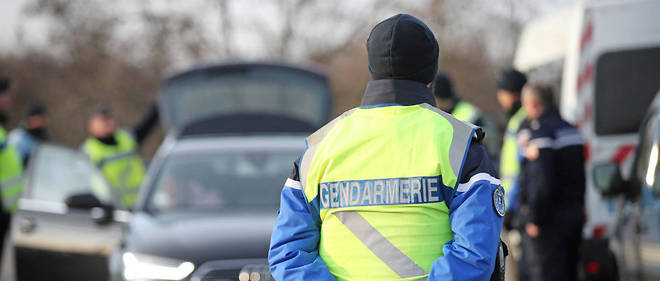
point(109, 140)
point(400, 92)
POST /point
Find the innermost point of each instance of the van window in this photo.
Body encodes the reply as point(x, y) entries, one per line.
point(626, 83)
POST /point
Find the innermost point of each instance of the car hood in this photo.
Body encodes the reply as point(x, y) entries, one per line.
point(202, 236)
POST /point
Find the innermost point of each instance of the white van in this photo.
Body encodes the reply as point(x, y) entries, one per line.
point(603, 59)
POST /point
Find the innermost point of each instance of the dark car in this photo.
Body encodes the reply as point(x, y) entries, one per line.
point(637, 234)
point(207, 207)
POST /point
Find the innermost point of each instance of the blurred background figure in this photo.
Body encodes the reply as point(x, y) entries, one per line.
point(32, 131)
point(552, 186)
point(116, 151)
point(448, 101)
point(11, 169)
point(509, 85)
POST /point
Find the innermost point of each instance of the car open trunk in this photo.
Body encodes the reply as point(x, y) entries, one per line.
point(206, 93)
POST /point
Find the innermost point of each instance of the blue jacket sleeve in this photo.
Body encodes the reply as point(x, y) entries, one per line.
point(294, 253)
point(475, 222)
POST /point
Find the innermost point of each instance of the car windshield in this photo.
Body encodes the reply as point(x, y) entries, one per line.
point(247, 89)
point(225, 181)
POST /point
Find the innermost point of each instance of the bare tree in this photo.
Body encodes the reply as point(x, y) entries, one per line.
point(91, 59)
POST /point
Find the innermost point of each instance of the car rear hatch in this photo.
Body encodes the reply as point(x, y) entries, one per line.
point(226, 97)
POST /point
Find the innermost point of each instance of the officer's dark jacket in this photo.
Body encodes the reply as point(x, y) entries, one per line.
point(553, 184)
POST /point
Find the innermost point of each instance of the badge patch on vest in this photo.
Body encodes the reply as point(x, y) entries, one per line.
point(498, 201)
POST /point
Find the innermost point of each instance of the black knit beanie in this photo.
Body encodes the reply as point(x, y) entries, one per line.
point(511, 80)
point(402, 47)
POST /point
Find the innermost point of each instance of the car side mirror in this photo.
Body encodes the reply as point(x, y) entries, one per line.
point(83, 201)
point(607, 179)
point(100, 213)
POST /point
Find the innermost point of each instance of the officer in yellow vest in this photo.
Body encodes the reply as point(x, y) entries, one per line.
point(510, 83)
point(116, 151)
point(447, 101)
point(11, 167)
point(395, 189)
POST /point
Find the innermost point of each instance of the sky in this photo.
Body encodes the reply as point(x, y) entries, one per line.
point(14, 26)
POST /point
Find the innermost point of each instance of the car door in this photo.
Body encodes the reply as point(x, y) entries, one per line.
point(51, 240)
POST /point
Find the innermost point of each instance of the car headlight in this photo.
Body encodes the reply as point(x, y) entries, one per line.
point(145, 267)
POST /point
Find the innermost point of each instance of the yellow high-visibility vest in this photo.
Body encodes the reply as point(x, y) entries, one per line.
point(509, 158)
point(120, 164)
point(11, 174)
point(382, 176)
point(465, 111)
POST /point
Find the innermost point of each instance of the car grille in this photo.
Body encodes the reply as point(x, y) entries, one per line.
point(222, 275)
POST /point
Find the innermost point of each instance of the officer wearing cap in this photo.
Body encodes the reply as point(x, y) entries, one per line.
point(394, 189)
point(11, 169)
point(33, 130)
point(115, 151)
point(552, 186)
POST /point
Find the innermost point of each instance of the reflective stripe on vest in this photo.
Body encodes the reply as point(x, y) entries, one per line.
point(510, 156)
point(379, 245)
point(11, 174)
point(120, 164)
point(11, 191)
point(118, 156)
point(383, 177)
point(466, 112)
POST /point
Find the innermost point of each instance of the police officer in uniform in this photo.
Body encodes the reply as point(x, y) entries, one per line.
point(11, 168)
point(552, 186)
point(115, 151)
point(32, 131)
point(394, 189)
point(509, 86)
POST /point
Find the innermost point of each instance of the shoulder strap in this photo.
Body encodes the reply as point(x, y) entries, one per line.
point(464, 133)
point(312, 143)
